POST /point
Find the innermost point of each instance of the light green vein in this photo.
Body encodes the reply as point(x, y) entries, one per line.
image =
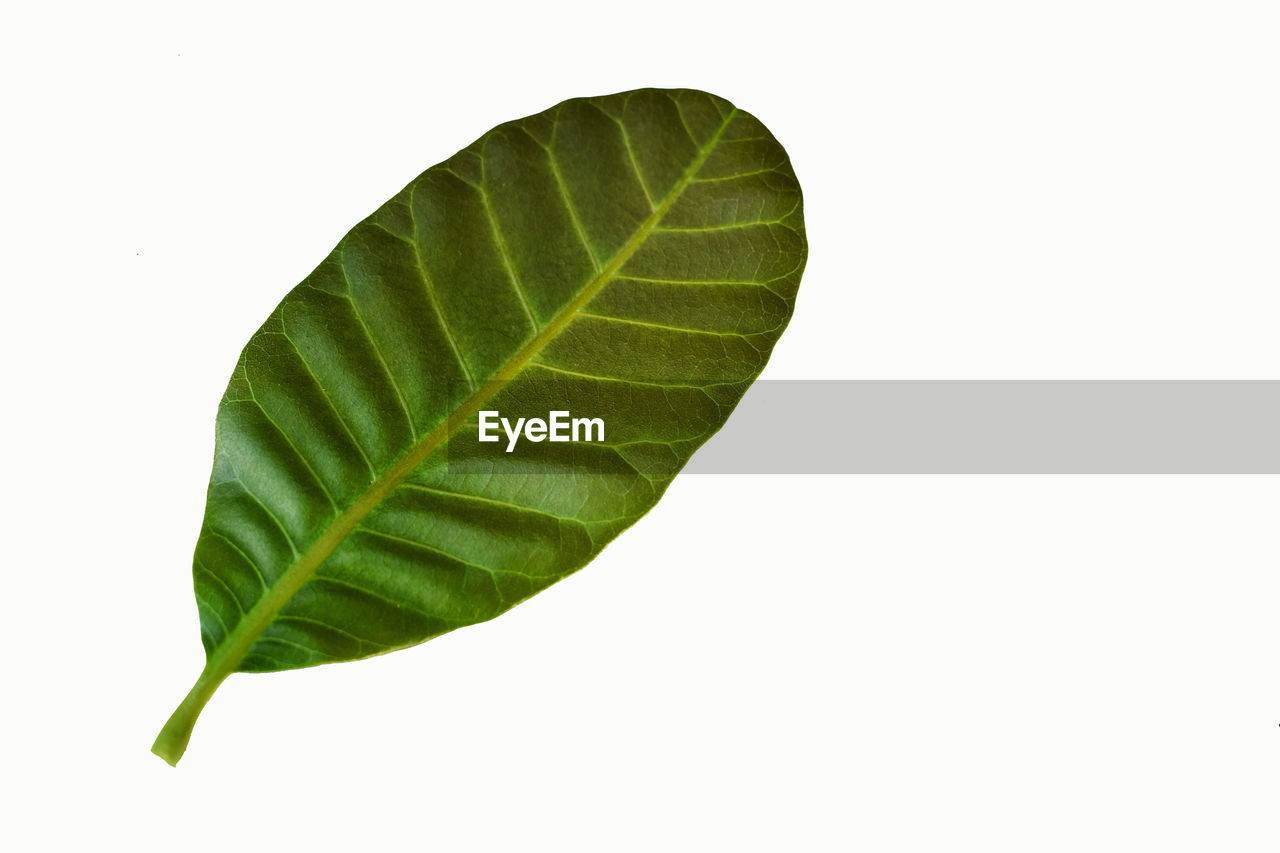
point(200, 564)
point(604, 377)
point(564, 195)
point(306, 620)
point(433, 298)
point(306, 463)
point(253, 564)
point(465, 497)
point(302, 359)
point(663, 326)
point(364, 590)
point(377, 348)
point(288, 538)
point(501, 243)
point(418, 543)
point(631, 153)
point(716, 180)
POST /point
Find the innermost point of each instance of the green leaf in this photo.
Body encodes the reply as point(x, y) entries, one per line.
point(632, 257)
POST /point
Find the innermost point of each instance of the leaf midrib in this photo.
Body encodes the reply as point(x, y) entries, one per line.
point(237, 644)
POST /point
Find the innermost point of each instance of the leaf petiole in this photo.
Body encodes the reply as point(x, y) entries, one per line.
point(171, 743)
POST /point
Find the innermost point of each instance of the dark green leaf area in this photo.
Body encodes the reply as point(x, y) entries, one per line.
point(633, 257)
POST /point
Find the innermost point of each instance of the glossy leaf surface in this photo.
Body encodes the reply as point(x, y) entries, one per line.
point(634, 256)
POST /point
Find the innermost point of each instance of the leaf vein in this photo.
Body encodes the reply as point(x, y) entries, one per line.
point(306, 463)
point(651, 325)
point(564, 195)
point(257, 570)
point(377, 347)
point(430, 289)
point(501, 241)
point(346, 427)
point(631, 154)
point(288, 617)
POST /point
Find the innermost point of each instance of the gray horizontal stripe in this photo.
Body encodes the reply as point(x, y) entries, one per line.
point(1000, 427)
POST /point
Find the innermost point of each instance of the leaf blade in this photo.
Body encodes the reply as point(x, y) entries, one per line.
point(377, 546)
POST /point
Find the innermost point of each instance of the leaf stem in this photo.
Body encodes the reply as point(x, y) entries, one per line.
point(172, 741)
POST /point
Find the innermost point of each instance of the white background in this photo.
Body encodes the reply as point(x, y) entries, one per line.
point(993, 190)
